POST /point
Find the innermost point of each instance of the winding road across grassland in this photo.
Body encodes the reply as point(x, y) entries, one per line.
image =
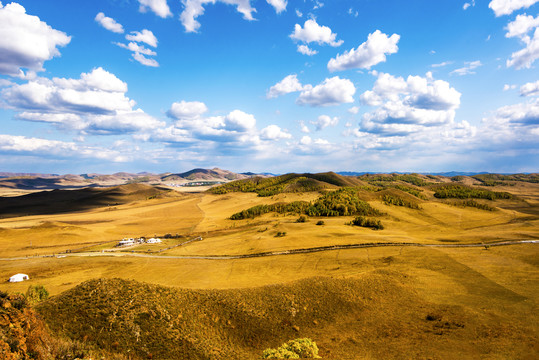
point(278, 253)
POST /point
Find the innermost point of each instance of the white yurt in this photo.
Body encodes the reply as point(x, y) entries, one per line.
point(19, 278)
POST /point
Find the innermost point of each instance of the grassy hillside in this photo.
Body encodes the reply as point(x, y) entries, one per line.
point(63, 201)
point(377, 315)
point(287, 183)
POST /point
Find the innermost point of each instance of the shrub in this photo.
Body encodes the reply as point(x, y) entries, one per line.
point(301, 219)
point(294, 349)
point(280, 234)
point(369, 223)
point(36, 294)
point(320, 222)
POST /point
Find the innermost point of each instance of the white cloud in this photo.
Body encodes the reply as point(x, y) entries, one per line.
point(509, 87)
point(442, 64)
point(306, 140)
point(467, 69)
point(506, 7)
point(354, 110)
point(287, 85)
point(159, 7)
point(109, 23)
point(299, 13)
point(144, 60)
point(195, 8)
point(518, 123)
point(312, 32)
point(304, 128)
point(187, 110)
point(467, 5)
point(530, 89)
point(274, 132)
point(324, 121)
point(22, 145)
point(136, 48)
point(368, 54)
point(145, 36)
point(305, 50)
point(95, 103)
point(407, 106)
point(279, 5)
point(526, 57)
point(332, 91)
point(26, 41)
point(521, 26)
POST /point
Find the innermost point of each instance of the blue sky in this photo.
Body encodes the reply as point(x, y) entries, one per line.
point(269, 85)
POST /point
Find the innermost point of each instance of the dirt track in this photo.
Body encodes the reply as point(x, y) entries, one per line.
point(279, 253)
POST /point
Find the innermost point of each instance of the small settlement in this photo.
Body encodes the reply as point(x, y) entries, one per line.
point(137, 241)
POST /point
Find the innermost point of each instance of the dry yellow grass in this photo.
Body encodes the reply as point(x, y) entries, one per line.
point(500, 283)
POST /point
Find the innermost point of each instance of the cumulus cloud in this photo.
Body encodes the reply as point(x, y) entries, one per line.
point(526, 57)
point(288, 85)
point(279, 5)
point(26, 42)
point(305, 50)
point(332, 91)
point(312, 32)
point(407, 106)
point(506, 7)
point(274, 132)
point(145, 36)
point(467, 69)
point(521, 26)
point(187, 110)
point(324, 121)
point(159, 7)
point(530, 89)
point(195, 8)
point(109, 23)
point(94, 103)
point(368, 54)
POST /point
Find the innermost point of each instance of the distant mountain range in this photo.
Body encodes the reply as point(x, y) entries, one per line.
point(35, 181)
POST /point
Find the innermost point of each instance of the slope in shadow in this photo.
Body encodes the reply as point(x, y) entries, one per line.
point(62, 201)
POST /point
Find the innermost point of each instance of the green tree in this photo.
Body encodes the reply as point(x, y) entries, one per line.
point(36, 294)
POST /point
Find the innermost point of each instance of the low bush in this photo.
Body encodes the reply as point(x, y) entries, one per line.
point(368, 223)
point(294, 349)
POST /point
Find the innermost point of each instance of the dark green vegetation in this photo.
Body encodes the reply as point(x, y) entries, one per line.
point(342, 202)
point(473, 203)
point(497, 179)
point(398, 201)
point(458, 191)
point(368, 223)
point(286, 183)
point(63, 201)
point(382, 179)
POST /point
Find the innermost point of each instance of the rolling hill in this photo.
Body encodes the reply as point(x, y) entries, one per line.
point(63, 201)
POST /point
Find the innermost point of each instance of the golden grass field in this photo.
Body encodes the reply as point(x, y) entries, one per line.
point(498, 284)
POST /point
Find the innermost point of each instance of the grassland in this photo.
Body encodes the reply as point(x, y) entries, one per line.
point(493, 292)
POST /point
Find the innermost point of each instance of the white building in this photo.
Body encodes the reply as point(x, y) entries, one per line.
point(19, 278)
point(126, 242)
point(153, 241)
